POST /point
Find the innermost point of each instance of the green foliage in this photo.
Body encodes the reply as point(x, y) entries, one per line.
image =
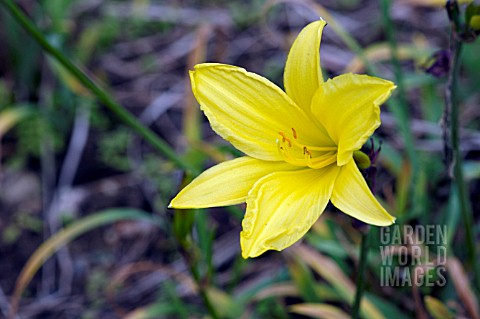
point(271, 308)
point(159, 172)
point(4, 94)
point(113, 149)
point(245, 13)
point(32, 134)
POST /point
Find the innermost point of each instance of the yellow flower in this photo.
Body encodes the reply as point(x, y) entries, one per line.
point(299, 145)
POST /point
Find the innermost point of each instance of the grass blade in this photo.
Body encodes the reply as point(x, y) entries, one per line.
point(65, 236)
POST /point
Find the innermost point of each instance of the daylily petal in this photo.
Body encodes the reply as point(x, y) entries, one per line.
point(348, 106)
point(303, 74)
point(353, 197)
point(248, 110)
point(282, 206)
point(227, 183)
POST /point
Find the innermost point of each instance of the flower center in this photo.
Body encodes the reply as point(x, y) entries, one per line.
point(300, 154)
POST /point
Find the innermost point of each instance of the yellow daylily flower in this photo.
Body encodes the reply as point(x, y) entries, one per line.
point(299, 145)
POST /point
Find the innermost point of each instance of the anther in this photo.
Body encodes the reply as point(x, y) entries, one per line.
point(294, 133)
point(306, 151)
point(285, 139)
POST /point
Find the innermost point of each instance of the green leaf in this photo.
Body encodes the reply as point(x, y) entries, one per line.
point(437, 309)
point(9, 117)
point(65, 236)
point(224, 304)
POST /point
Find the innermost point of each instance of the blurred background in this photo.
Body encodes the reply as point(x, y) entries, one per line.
point(65, 158)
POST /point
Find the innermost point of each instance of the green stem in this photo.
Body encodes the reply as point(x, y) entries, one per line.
point(189, 256)
point(183, 222)
point(101, 95)
point(401, 110)
point(458, 179)
point(360, 281)
point(201, 290)
point(356, 48)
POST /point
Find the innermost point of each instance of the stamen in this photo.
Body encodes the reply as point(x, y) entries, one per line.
point(323, 160)
point(285, 139)
point(286, 154)
point(323, 148)
point(294, 133)
point(309, 161)
point(295, 143)
point(313, 156)
point(306, 151)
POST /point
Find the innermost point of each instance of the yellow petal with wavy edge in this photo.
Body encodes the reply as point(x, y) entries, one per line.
point(353, 197)
point(282, 206)
point(348, 106)
point(227, 183)
point(248, 110)
point(303, 74)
